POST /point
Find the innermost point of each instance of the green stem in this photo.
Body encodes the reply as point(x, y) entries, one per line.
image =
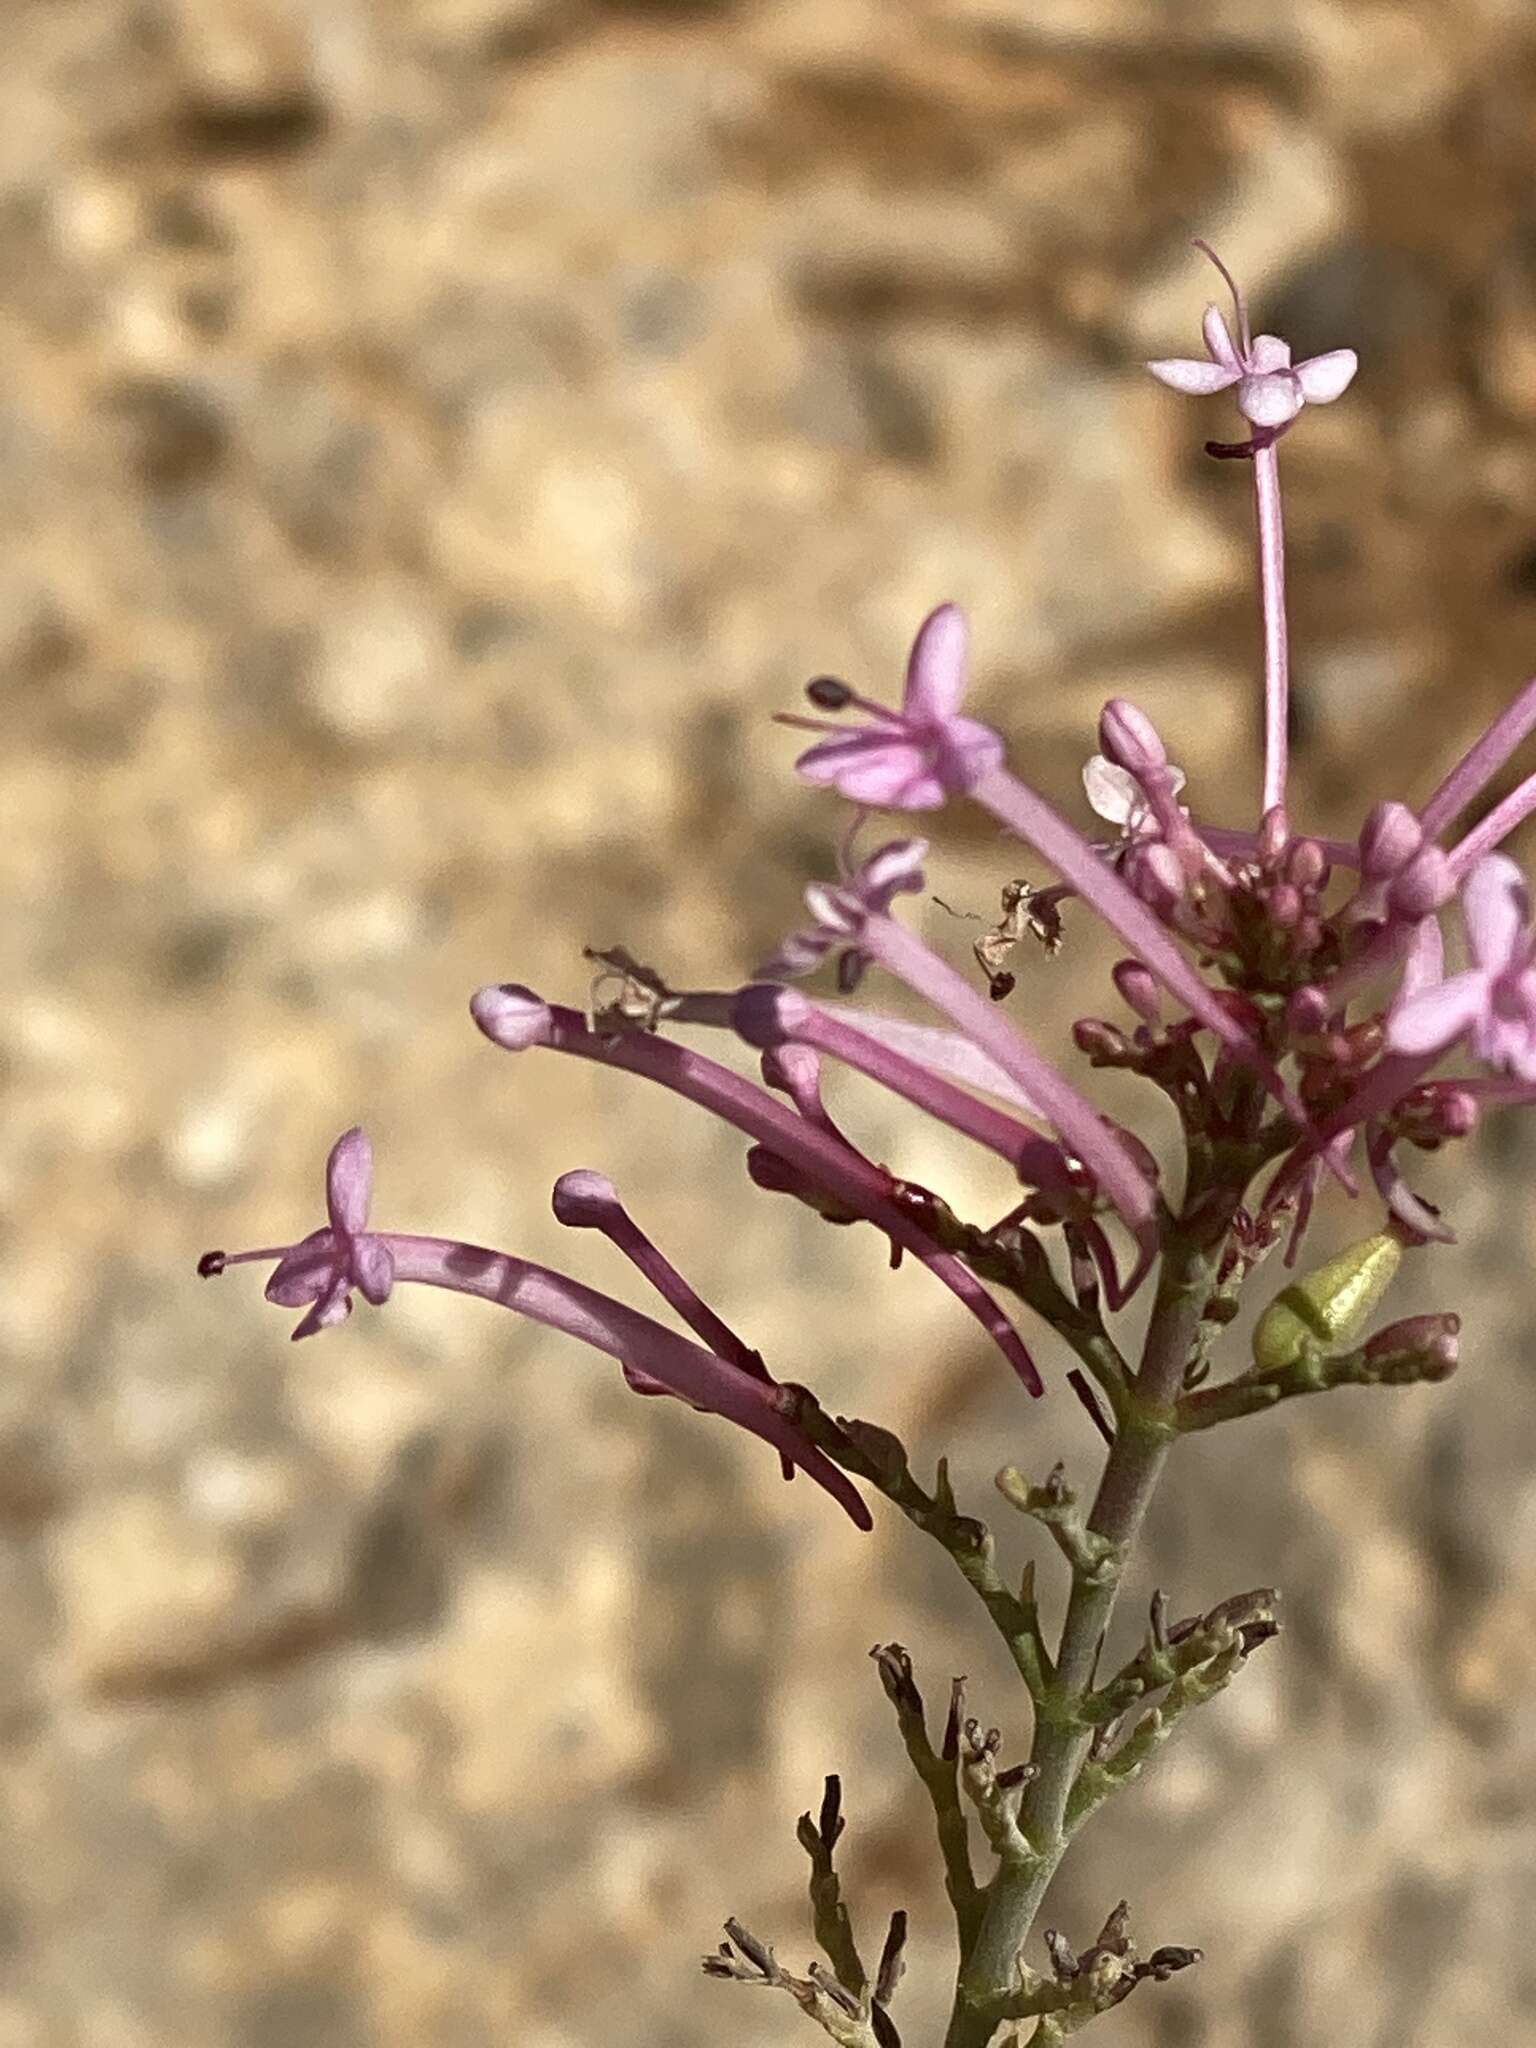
point(1062, 1734)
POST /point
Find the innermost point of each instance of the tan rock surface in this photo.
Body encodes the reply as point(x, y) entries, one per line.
point(437, 434)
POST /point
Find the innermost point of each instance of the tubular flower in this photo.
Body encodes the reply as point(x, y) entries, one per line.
point(321, 1270)
point(323, 1267)
point(913, 759)
point(1271, 390)
point(1492, 1003)
point(518, 1020)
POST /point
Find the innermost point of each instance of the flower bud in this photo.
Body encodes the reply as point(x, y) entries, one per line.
point(1284, 906)
point(766, 1015)
point(511, 1017)
point(1274, 835)
point(1389, 838)
point(1306, 865)
point(584, 1200)
point(1129, 738)
point(1417, 1348)
point(1424, 886)
point(1457, 1112)
point(1103, 1043)
point(1138, 990)
point(1306, 1012)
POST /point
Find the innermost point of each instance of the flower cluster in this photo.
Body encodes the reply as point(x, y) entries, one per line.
point(1288, 993)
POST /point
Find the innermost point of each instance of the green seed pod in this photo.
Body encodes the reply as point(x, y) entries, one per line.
point(1328, 1308)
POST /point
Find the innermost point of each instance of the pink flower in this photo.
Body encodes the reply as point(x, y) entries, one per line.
point(1270, 389)
point(840, 909)
point(1493, 1002)
point(908, 760)
point(323, 1268)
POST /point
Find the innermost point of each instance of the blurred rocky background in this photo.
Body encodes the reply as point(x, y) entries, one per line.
point(435, 435)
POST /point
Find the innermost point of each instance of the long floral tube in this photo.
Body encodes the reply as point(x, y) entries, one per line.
point(1074, 1117)
point(1493, 830)
point(1039, 823)
point(1481, 762)
point(1379, 1090)
point(1267, 512)
point(623, 1333)
point(766, 1015)
point(517, 1019)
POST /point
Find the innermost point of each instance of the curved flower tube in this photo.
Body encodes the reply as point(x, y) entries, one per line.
point(517, 1019)
point(323, 1268)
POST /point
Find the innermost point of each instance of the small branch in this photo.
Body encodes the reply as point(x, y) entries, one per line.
point(1084, 1986)
point(1372, 1365)
point(996, 1794)
point(1099, 1778)
point(940, 1777)
point(829, 1916)
point(1094, 1559)
point(1171, 1652)
point(746, 1960)
point(879, 1458)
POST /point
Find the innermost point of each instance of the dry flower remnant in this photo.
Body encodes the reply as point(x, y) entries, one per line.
point(1288, 996)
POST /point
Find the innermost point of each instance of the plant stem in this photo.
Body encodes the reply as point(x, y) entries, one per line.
point(1146, 1433)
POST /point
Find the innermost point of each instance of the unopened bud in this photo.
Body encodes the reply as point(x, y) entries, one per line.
point(1104, 1044)
point(1284, 906)
point(1457, 1112)
point(584, 1200)
point(1274, 835)
point(511, 1017)
point(1129, 738)
point(1306, 865)
point(1306, 1012)
point(1424, 886)
point(1419, 1347)
point(1138, 990)
point(1389, 838)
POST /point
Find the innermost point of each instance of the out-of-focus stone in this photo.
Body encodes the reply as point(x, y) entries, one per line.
point(437, 438)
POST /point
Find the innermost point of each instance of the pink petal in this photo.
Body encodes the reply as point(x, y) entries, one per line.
point(304, 1272)
point(1436, 1017)
point(328, 1311)
point(892, 870)
point(349, 1181)
point(1268, 353)
point(946, 1052)
point(936, 668)
point(373, 1269)
point(1112, 793)
point(871, 768)
point(1325, 378)
point(1424, 963)
point(1270, 400)
point(1494, 905)
point(1218, 341)
point(1196, 379)
point(967, 751)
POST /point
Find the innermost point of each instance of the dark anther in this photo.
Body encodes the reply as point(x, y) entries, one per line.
point(827, 693)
